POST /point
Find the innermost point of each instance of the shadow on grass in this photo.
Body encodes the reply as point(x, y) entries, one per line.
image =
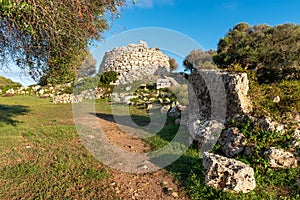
point(138, 119)
point(9, 112)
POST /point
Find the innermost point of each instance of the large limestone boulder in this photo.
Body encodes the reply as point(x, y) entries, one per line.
point(227, 91)
point(228, 174)
point(279, 158)
point(232, 142)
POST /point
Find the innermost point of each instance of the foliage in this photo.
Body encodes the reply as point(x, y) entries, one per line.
point(286, 109)
point(58, 75)
point(49, 36)
point(173, 64)
point(271, 52)
point(6, 84)
point(199, 59)
point(107, 77)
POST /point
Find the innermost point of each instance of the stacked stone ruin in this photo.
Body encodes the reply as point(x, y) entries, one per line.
point(136, 62)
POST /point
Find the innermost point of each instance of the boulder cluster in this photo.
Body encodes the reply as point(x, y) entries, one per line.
point(208, 128)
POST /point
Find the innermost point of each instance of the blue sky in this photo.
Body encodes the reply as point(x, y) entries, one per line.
point(204, 21)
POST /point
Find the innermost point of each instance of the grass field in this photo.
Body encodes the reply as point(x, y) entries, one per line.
point(42, 157)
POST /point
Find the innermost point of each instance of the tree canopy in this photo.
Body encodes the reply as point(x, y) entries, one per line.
point(199, 59)
point(271, 52)
point(51, 36)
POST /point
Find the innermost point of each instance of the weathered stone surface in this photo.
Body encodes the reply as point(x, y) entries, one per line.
point(205, 133)
point(267, 124)
point(135, 63)
point(67, 98)
point(228, 174)
point(224, 86)
point(232, 142)
point(279, 158)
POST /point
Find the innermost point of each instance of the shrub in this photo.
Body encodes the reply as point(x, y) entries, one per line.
point(107, 77)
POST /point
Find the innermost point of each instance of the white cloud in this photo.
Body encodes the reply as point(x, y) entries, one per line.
point(150, 3)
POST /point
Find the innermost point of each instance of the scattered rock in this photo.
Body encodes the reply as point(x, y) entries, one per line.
point(279, 158)
point(164, 110)
point(267, 124)
point(244, 118)
point(232, 142)
point(164, 183)
point(174, 112)
point(175, 194)
point(276, 99)
point(228, 174)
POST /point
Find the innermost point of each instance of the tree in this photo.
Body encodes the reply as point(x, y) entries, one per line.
point(50, 36)
point(199, 59)
point(173, 63)
point(271, 52)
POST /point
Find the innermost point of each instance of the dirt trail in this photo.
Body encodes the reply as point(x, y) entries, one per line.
point(153, 186)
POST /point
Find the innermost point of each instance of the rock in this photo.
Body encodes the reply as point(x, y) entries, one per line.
point(164, 183)
point(232, 142)
point(235, 97)
point(205, 133)
point(244, 118)
point(174, 194)
point(149, 106)
point(267, 124)
point(174, 112)
point(127, 99)
point(276, 99)
point(228, 174)
point(181, 108)
point(164, 110)
point(279, 158)
point(67, 98)
point(10, 91)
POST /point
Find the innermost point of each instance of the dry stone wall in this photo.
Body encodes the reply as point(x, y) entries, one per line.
point(135, 62)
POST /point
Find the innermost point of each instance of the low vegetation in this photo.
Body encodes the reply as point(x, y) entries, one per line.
point(6, 84)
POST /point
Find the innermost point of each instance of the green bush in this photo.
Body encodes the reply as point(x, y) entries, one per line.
point(268, 51)
point(107, 77)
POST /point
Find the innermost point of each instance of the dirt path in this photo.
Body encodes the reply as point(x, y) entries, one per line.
point(153, 186)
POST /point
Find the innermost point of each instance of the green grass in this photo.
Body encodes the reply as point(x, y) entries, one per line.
point(42, 156)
